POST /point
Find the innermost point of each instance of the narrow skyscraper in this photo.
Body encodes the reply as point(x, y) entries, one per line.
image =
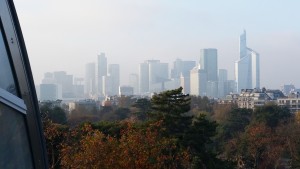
point(209, 63)
point(101, 71)
point(90, 87)
point(247, 68)
point(114, 73)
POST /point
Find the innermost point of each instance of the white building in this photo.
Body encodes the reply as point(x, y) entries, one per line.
point(247, 68)
point(291, 103)
point(198, 82)
point(252, 98)
point(185, 82)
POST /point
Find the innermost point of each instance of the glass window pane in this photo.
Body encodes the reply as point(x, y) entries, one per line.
point(7, 80)
point(14, 144)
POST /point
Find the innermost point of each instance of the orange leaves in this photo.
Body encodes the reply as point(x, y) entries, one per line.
point(259, 146)
point(136, 148)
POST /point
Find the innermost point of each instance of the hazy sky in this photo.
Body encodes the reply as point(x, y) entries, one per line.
point(67, 34)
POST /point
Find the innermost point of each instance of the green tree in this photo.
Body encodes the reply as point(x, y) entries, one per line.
point(236, 122)
point(54, 113)
point(171, 108)
point(272, 115)
point(143, 108)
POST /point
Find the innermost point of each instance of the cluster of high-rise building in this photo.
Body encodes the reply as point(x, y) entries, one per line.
point(60, 85)
point(202, 78)
point(101, 79)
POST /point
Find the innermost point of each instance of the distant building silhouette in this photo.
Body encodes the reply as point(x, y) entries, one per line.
point(114, 74)
point(153, 74)
point(50, 92)
point(101, 71)
point(62, 81)
point(125, 91)
point(209, 63)
point(134, 82)
point(90, 80)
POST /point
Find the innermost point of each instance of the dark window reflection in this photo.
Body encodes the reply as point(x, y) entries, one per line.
point(6, 76)
point(14, 145)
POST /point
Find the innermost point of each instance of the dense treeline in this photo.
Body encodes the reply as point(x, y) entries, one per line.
point(173, 130)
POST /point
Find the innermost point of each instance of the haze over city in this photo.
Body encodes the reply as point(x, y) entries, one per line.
point(65, 35)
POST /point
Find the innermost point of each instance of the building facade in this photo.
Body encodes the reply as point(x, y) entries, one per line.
point(252, 98)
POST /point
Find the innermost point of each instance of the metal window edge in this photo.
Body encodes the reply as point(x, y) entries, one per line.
point(12, 101)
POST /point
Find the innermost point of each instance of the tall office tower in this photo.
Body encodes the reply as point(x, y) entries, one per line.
point(198, 78)
point(106, 84)
point(78, 88)
point(101, 71)
point(50, 92)
point(247, 68)
point(221, 83)
point(144, 77)
point(185, 83)
point(134, 82)
point(90, 80)
point(48, 78)
point(209, 63)
point(158, 75)
point(114, 73)
point(153, 74)
point(212, 89)
point(66, 82)
point(180, 66)
point(230, 87)
point(243, 45)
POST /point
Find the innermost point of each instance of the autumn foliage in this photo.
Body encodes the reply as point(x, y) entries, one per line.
point(136, 148)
